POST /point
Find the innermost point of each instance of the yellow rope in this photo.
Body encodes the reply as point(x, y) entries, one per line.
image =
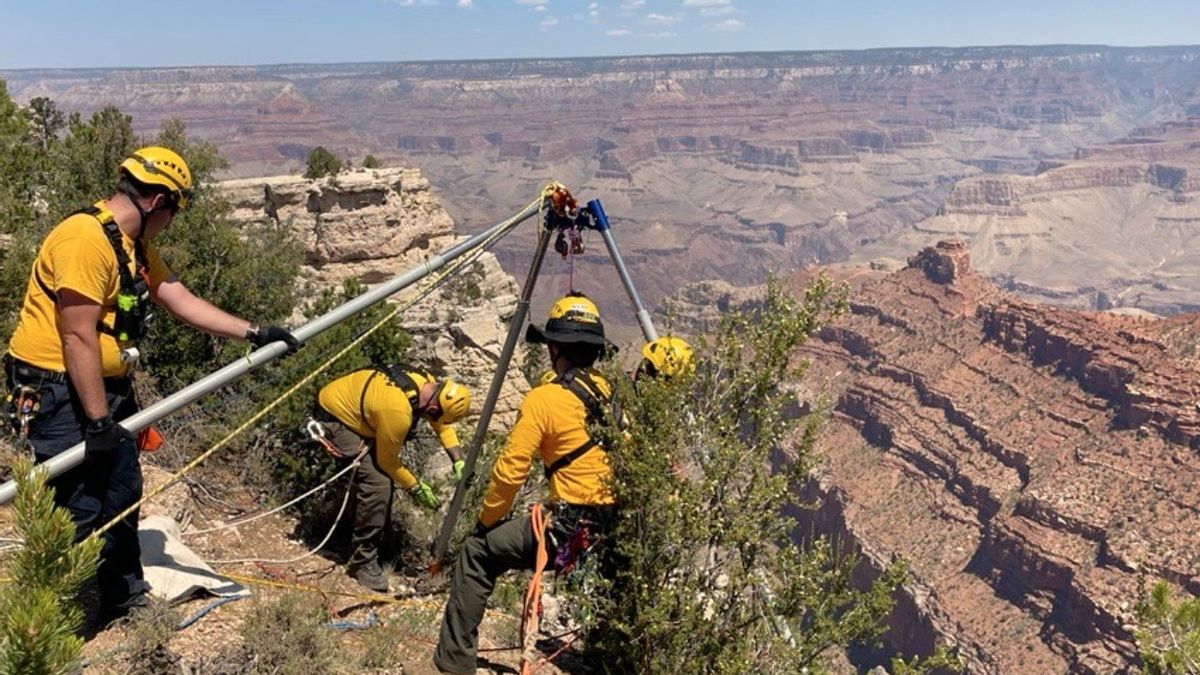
point(293, 389)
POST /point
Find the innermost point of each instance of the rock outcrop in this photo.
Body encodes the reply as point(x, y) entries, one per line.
point(1034, 465)
point(374, 224)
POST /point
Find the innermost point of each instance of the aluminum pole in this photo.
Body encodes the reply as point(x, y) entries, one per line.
point(68, 459)
point(489, 404)
point(602, 226)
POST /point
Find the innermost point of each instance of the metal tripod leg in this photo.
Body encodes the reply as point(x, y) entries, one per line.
point(602, 226)
point(489, 404)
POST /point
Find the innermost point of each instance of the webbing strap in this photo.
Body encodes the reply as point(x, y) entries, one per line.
point(573, 381)
point(398, 374)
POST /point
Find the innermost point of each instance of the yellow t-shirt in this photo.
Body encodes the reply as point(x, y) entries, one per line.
point(552, 423)
point(388, 417)
point(76, 255)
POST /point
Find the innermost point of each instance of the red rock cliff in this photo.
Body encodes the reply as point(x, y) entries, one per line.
point(1033, 464)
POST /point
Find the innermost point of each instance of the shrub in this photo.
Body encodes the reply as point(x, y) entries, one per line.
point(322, 162)
point(1168, 635)
point(709, 575)
point(288, 636)
point(369, 162)
point(41, 618)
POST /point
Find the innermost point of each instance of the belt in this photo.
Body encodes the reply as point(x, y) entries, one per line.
point(21, 371)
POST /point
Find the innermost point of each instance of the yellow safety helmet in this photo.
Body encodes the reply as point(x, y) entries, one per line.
point(161, 167)
point(573, 318)
point(668, 356)
point(455, 401)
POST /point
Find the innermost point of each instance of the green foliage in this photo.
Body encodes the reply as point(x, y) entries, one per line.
point(41, 618)
point(322, 162)
point(83, 166)
point(47, 120)
point(709, 577)
point(1168, 634)
point(249, 272)
point(288, 636)
point(370, 162)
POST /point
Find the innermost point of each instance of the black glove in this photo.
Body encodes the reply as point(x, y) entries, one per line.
point(481, 530)
point(259, 337)
point(102, 437)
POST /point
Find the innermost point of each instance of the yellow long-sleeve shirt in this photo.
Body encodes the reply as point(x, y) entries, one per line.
point(384, 415)
point(552, 423)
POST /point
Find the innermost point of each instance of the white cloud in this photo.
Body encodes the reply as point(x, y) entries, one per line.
point(533, 2)
point(593, 5)
point(548, 23)
point(630, 5)
point(415, 3)
point(539, 8)
point(718, 11)
point(466, 3)
point(618, 32)
point(663, 34)
point(661, 19)
point(705, 3)
point(728, 25)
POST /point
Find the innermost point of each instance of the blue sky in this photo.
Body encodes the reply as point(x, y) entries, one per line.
point(82, 33)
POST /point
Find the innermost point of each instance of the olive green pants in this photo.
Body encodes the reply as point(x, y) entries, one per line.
point(483, 558)
point(372, 495)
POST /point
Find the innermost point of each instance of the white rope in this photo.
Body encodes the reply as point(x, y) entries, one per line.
point(297, 500)
point(313, 551)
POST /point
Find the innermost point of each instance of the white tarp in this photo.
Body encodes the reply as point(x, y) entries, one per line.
point(174, 571)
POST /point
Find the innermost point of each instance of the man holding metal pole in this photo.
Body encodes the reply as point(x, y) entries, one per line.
point(69, 364)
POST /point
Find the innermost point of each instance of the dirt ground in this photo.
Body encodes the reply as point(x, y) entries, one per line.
point(391, 634)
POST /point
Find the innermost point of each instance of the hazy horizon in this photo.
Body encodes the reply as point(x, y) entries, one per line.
point(60, 34)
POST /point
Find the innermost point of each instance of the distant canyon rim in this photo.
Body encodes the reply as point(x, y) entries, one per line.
point(1070, 171)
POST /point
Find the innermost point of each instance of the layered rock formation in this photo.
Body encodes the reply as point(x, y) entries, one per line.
point(374, 224)
point(713, 166)
point(1034, 465)
point(1113, 226)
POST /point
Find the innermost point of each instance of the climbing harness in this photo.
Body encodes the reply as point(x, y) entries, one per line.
point(317, 432)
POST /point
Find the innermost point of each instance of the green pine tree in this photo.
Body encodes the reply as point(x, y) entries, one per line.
point(41, 618)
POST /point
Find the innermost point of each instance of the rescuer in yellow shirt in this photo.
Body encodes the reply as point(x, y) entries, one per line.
point(552, 426)
point(67, 370)
point(380, 407)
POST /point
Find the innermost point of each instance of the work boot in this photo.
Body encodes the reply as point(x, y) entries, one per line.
point(370, 575)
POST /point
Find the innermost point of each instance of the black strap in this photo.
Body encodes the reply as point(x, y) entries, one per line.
point(129, 283)
point(589, 394)
point(567, 459)
point(398, 374)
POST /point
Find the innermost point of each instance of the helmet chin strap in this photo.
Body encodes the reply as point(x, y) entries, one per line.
point(143, 214)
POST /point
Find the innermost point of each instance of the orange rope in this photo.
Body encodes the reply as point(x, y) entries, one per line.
point(533, 592)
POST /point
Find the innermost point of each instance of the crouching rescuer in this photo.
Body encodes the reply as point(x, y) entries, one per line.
point(70, 361)
point(378, 408)
point(553, 424)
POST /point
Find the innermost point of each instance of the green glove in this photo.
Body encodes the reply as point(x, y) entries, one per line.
point(423, 494)
point(459, 465)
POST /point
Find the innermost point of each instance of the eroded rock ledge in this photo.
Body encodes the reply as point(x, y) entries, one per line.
point(1033, 464)
point(374, 224)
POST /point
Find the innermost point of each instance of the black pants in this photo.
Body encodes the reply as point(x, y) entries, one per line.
point(95, 491)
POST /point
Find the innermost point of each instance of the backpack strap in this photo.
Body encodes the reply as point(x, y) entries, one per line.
point(398, 374)
point(130, 285)
point(592, 403)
